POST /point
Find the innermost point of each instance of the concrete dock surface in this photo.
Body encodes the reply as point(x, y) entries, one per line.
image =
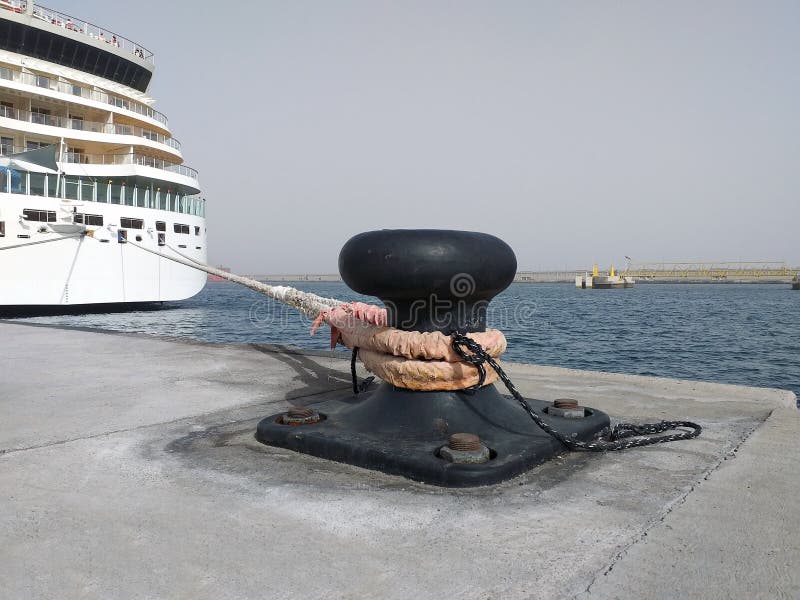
point(128, 469)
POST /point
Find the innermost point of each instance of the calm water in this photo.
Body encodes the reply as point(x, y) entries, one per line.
point(745, 334)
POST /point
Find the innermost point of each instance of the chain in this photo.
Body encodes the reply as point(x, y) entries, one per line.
point(364, 385)
point(623, 435)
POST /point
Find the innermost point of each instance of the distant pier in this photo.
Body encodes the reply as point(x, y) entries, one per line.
point(723, 272)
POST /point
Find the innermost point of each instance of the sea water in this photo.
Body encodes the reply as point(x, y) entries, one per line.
point(743, 334)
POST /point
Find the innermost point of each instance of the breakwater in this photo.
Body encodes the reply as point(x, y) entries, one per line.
point(567, 277)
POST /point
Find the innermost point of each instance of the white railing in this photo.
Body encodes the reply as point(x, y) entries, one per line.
point(130, 159)
point(83, 158)
point(67, 87)
point(77, 124)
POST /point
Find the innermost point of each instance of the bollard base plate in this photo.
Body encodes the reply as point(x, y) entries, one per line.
point(400, 432)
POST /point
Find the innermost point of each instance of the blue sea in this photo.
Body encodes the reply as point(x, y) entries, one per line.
point(744, 334)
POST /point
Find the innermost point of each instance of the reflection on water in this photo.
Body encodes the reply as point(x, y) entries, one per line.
point(746, 334)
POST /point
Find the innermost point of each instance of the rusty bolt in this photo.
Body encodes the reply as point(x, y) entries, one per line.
point(300, 415)
point(566, 408)
point(464, 442)
point(565, 403)
point(299, 412)
point(465, 448)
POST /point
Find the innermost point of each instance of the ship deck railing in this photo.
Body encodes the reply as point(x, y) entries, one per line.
point(67, 87)
point(130, 158)
point(127, 158)
point(95, 32)
point(89, 189)
point(77, 124)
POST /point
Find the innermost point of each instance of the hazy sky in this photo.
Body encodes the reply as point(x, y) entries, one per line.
point(575, 131)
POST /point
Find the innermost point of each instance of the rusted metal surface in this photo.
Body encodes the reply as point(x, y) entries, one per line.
point(299, 412)
point(566, 403)
point(299, 415)
point(464, 442)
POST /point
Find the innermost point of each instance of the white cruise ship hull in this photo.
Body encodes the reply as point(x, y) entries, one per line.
point(85, 159)
point(88, 270)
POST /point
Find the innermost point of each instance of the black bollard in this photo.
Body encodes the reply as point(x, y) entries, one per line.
point(430, 280)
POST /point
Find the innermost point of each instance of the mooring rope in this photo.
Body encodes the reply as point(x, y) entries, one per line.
point(306, 303)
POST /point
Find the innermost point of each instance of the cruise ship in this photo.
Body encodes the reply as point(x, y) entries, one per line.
point(94, 194)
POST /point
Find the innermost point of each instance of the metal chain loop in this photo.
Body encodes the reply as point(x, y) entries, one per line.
point(364, 385)
point(623, 435)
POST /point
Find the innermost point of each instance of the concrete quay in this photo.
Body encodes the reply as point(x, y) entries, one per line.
point(128, 469)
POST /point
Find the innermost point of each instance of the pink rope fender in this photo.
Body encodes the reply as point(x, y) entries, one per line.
point(408, 359)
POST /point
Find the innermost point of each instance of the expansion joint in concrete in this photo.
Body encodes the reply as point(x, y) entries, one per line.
point(680, 500)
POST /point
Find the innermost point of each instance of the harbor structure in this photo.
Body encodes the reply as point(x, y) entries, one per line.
point(721, 271)
point(87, 165)
point(603, 281)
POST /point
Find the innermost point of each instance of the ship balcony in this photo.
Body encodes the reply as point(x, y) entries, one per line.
point(135, 159)
point(82, 129)
point(76, 91)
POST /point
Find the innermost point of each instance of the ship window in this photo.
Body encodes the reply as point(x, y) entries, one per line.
point(197, 230)
point(87, 189)
point(83, 219)
point(180, 228)
point(7, 109)
point(76, 122)
point(129, 223)
point(71, 185)
point(122, 236)
point(2, 229)
point(76, 155)
point(42, 81)
point(37, 184)
point(40, 115)
point(6, 73)
point(77, 90)
point(162, 239)
point(34, 145)
point(52, 186)
point(6, 145)
point(115, 193)
point(102, 191)
point(161, 226)
point(41, 216)
point(181, 245)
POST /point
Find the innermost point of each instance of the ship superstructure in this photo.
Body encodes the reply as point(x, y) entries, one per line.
point(89, 170)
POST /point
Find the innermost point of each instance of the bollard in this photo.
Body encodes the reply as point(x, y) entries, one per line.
point(430, 280)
